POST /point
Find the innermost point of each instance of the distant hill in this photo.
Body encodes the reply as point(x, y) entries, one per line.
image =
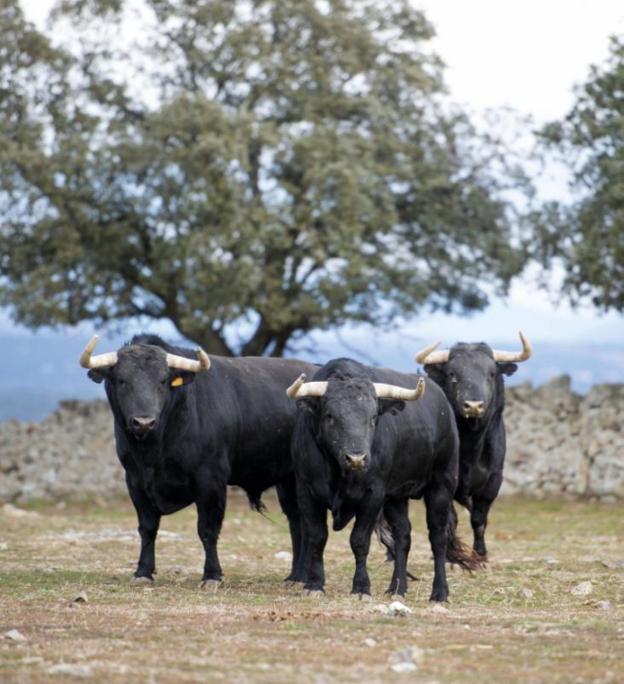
point(37, 371)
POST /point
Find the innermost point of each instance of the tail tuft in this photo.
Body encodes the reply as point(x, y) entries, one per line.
point(457, 552)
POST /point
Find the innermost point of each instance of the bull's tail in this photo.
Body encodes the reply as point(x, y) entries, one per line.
point(386, 538)
point(256, 503)
point(457, 552)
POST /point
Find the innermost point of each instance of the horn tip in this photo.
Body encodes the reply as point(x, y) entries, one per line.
point(422, 355)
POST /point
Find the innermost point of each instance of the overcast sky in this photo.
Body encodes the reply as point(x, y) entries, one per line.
point(525, 55)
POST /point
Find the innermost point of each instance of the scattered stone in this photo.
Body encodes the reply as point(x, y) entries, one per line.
point(369, 642)
point(403, 667)
point(613, 565)
point(439, 609)
point(314, 593)
point(604, 605)
point(3, 546)
point(398, 608)
point(551, 561)
point(210, 586)
point(405, 659)
point(15, 635)
point(285, 556)
point(71, 669)
point(527, 593)
point(15, 512)
point(142, 581)
point(582, 589)
point(80, 598)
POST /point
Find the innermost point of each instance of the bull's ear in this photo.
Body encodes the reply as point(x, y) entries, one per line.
point(98, 374)
point(507, 368)
point(178, 378)
point(309, 404)
point(437, 372)
point(394, 406)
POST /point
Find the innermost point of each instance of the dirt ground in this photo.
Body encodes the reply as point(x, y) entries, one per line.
point(524, 619)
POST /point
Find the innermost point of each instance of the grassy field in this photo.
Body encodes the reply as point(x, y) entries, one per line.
point(517, 621)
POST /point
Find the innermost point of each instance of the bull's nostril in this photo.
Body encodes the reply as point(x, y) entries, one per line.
point(474, 408)
point(143, 423)
point(355, 460)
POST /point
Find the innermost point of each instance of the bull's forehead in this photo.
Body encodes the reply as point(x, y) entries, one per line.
point(477, 356)
point(356, 392)
point(141, 356)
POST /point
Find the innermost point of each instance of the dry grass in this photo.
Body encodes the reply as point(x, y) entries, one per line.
point(517, 621)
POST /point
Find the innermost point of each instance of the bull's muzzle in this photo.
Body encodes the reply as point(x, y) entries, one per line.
point(356, 461)
point(142, 425)
point(474, 409)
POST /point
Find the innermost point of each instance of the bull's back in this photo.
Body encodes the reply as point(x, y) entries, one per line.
point(248, 406)
point(425, 434)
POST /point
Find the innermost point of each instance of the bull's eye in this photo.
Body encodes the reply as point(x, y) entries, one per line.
point(452, 376)
point(329, 418)
point(121, 382)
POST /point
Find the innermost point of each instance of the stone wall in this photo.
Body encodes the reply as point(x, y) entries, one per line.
point(558, 443)
point(561, 443)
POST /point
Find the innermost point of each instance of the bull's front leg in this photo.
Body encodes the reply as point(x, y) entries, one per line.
point(481, 505)
point(360, 544)
point(314, 517)
point(149, 521)
point(478, 521)
point(438, 503)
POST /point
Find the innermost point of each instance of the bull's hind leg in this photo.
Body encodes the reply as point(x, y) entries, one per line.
point(397, 515)
point(438, 505)
point(210, 512)
point(149, 521)
point(287, 495)
point(360, 544)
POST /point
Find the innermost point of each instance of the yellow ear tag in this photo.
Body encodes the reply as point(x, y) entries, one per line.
point(176, 382)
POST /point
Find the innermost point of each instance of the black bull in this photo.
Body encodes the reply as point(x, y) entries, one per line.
point(356, 455)
point(182, 437)
point(472, 377)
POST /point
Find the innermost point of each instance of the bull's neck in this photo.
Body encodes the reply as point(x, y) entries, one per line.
point(473, 433)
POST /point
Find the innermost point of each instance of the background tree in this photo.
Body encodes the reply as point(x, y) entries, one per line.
point(588, 236)
point(273, 167)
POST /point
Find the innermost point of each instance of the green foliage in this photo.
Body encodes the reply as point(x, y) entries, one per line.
point(589, 235)
point(291, 164)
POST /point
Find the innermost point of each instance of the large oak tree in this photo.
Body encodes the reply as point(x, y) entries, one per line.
point(248, 170)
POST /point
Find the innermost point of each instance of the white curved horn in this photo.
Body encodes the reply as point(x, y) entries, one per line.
point(182, 363)
point(395, 392)
point(429, 356)
point(98, 361)
point(300, 388)
point(523, 355)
